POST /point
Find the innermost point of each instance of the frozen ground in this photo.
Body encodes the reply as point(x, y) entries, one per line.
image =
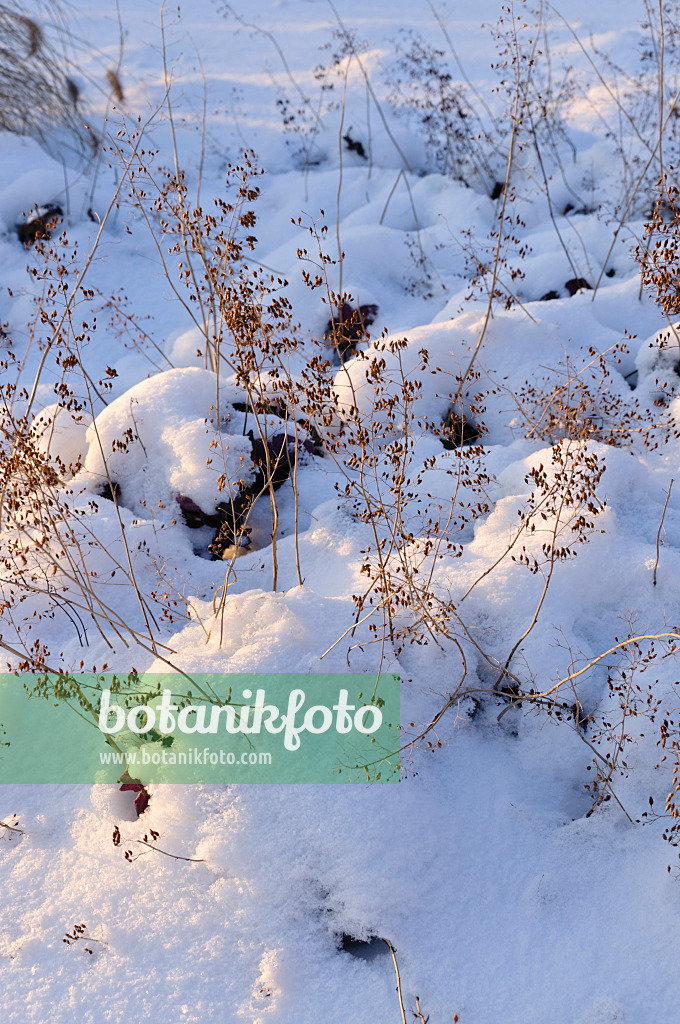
point(504, 898)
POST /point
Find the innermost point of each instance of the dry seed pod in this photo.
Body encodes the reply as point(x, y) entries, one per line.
point(116, 88)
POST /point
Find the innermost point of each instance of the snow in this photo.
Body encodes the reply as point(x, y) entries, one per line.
point(505, 895)
point(169, 416)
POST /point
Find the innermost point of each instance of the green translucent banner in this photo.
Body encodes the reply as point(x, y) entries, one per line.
point(203, 728)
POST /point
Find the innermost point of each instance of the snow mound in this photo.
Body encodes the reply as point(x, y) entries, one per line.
point(170, 434)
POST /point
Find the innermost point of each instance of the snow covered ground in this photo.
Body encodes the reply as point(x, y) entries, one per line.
point(518, 870)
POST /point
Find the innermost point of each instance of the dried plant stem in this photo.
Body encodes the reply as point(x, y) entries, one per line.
point(174, 856)
point(370, 88)
point(209, 359)
point(396, 971)
point(658, 532)
point(70, 301)
point(548, 577)
point(421, 1018)
point(12, 828)
point(147, 614)
point(339, 191)
point(632, 195)
point(661, 86)
point(501, 218)
point(273, 40)
point(621, 644)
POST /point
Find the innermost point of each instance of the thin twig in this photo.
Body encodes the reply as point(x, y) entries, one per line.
point(658, 532)
point(12, 828)
point(396, 971)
